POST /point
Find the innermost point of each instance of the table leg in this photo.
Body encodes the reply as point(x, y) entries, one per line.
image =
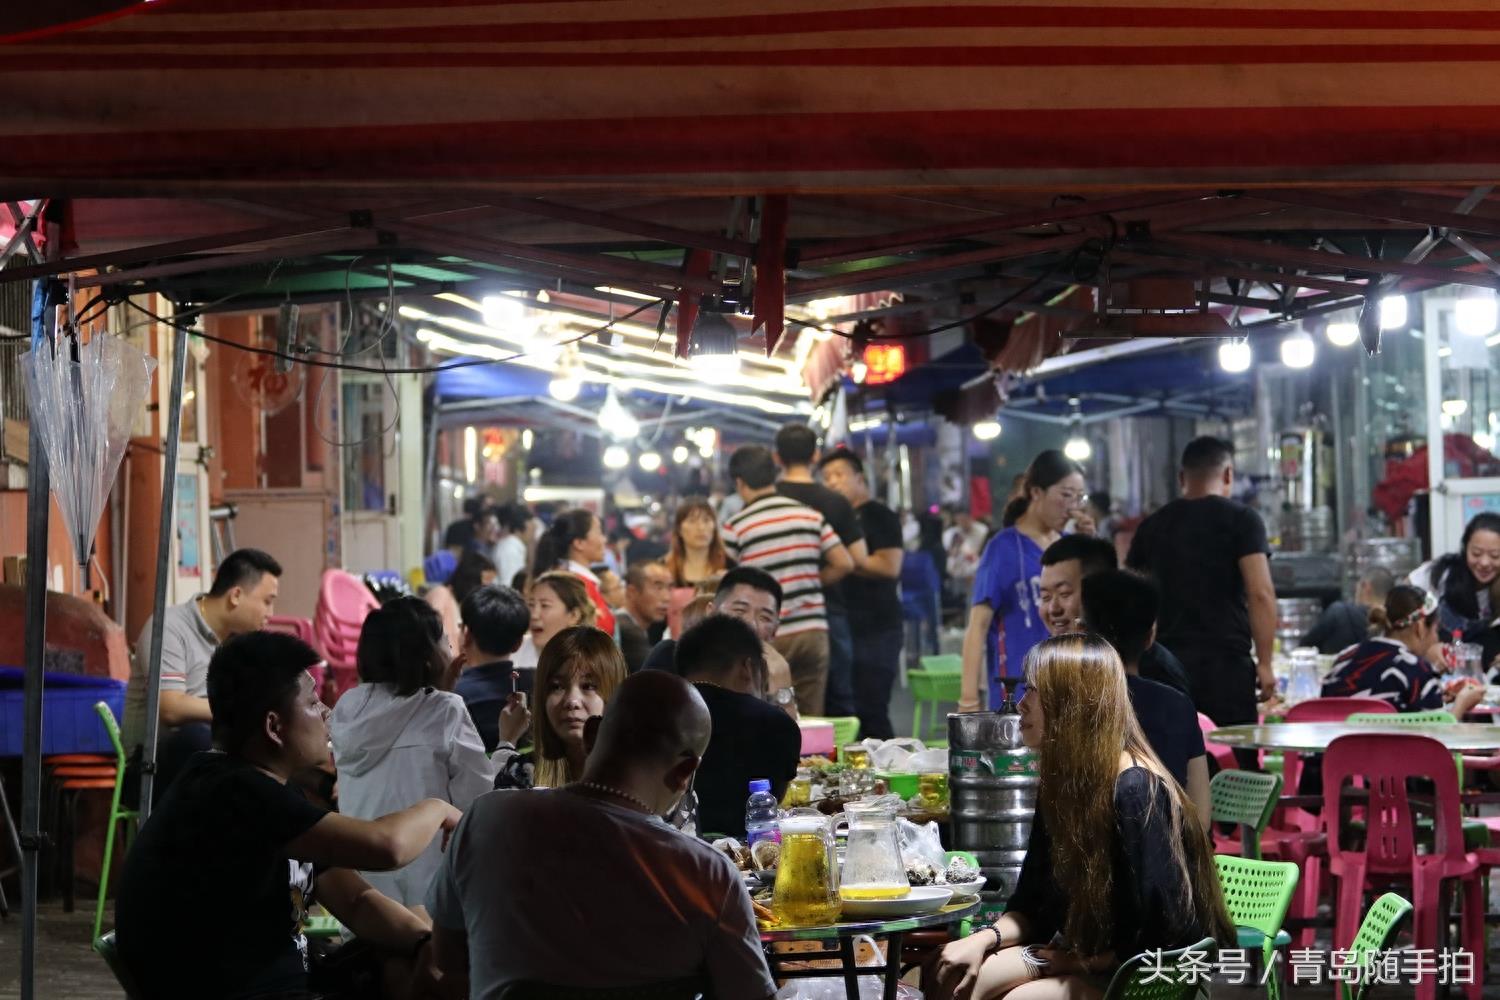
point(850, 960)
point(892, 964)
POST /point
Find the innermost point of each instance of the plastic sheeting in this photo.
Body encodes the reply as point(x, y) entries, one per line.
point(83, 408)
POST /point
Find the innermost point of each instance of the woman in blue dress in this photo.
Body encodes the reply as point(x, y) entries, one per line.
point(1005, 620)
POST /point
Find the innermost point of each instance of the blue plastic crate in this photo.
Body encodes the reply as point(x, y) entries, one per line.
point(69, 722)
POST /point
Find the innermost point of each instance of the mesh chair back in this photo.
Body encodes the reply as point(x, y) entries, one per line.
point(1257, 895)
point(1246, 798)
point(1376, 934)
point(1167, 975)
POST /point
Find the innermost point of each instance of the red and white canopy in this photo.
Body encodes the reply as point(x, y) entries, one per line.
point(754, 95)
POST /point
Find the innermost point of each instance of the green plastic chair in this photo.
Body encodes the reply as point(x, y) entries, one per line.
point(929, 691)
point(845, 730)
point(1246, 799)
point(116, 813)
point(105, 946)
point(1152, 975)
point(1257, 895)
point(1374, 936)
point(947, 663)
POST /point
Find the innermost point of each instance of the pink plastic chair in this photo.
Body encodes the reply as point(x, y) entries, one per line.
point(1218, 751)
point(1296, 835)
point(302, 629)
point(343, 604)
point(1383, 762)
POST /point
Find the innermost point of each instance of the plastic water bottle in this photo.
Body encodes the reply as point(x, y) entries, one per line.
point(761, 814)
point(1454, 653)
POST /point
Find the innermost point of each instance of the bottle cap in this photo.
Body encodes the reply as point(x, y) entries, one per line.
point(760, 785)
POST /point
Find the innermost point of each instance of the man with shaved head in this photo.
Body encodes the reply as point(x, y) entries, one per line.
point(585, 886)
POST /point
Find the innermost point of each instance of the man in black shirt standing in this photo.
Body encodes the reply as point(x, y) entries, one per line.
point(872, 596)
point(1209, 556)
point(796, 451)
point(751, 738)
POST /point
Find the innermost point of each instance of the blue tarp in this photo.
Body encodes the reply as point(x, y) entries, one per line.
point(496, 381)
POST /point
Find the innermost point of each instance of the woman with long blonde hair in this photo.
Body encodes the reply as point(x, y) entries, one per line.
point(1117, 864)
point(578, 672)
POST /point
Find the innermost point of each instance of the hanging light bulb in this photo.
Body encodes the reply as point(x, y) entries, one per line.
point(1298, 350)
point(564, 388)
point(615, 420)
point(987, 430)
point(1342, 334)
point(527, 439)
point(616, 457)
point(1393, 313)
point(1475, 314)
point(649, 461)
point(1078, 447)
point(680, 454)
point(713, 348)
point(1235, 356)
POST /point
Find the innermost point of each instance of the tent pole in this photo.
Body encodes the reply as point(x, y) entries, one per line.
point(163, 560)
point(38, 512)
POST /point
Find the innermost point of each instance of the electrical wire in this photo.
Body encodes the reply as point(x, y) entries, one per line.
point(371, 369)
point(1071, 259)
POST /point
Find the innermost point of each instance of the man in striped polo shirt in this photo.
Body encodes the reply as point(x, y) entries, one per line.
point(797, 546)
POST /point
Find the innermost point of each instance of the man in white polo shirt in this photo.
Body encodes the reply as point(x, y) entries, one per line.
point(242, 597)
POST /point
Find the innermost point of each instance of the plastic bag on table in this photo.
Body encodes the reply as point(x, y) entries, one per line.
point(920, 844)
point(867, 954)
point(929, 761)
point(894, 755)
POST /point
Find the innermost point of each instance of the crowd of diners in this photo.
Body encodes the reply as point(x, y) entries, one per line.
point(499, 787)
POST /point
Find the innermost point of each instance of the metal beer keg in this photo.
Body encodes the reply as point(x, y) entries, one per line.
point(992, 783)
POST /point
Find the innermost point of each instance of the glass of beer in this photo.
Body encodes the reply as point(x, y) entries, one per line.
point(857, 756)
point(933, 789)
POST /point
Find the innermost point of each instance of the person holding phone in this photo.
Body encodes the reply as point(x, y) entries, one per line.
point(495, 622)
point(1006, 619)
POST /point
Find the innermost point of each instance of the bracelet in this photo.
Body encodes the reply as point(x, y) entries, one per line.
point(424, 938)
point(999, 941)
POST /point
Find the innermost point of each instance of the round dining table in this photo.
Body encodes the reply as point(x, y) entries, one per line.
point(1314, 737)
point(838, 942)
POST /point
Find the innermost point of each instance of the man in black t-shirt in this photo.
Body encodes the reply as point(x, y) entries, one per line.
point(751, 738)
point(1209, 556)
point(872, 593)
point(1121, 607)
point(796, 451)
point(215, 891)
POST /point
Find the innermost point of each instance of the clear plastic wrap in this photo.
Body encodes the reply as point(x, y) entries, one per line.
point(83, 412)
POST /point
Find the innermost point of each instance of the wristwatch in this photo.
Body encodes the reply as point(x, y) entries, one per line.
point(784, 696)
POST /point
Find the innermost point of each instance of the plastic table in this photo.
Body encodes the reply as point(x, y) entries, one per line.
point(838, 940)
point(1314, 737)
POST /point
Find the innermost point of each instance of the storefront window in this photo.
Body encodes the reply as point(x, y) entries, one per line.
point(1387, 438)
point(1469, 350)
point(369, 435)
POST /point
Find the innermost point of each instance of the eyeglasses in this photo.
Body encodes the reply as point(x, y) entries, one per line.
point(1073, 497)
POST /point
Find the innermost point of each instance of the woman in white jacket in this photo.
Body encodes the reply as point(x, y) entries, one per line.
point(397, 739)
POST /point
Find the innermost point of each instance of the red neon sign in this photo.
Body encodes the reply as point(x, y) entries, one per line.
point(884, 363)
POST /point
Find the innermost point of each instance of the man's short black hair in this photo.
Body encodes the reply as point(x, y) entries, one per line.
point(748, 576)
point(1094, 555)
point(497, 617)
point(243, 568)
point(513, 517)
point(1207, 454)
point(753, 465)
point(796, 444)
point(250, 675)
point(635, 573)
point(1121, 607)
point(715, 647)
point(842, 455)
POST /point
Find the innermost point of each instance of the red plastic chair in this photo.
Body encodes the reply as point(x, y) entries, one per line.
point(1221, 753)
point(1383, 763)
point(343, 604)
point(1297, 835)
